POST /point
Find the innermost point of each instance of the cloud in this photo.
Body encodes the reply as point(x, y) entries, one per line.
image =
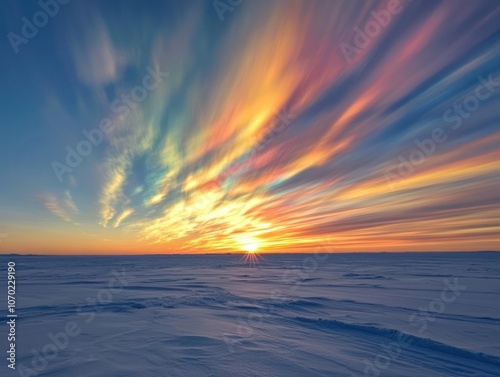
point(122, 216)
point(199, 163)
point(97, 62)
point(64, 208)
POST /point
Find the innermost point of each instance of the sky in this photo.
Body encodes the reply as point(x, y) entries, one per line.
point(238, 125)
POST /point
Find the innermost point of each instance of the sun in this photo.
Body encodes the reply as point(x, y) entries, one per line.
point(251, 247)
point(249, 244)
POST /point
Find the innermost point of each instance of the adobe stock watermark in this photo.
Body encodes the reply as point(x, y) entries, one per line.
point(214, 188)
point(372, 29)
point(40, 19)
point(463, 109)
point(61, 340)
point(121, 107)
point(294, 278)
point(392, 351)
point(455, 115)
point(223, 6)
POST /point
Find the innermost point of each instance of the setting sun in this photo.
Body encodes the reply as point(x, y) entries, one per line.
point(252, 248)
point(249, 244)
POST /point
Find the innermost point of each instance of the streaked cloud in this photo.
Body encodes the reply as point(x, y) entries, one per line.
point(205, 160)
point(65, 207)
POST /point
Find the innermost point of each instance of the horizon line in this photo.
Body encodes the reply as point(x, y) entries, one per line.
point(244, 253)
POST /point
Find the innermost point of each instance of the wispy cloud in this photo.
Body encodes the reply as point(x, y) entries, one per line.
point(122, 216)
point(65, 207)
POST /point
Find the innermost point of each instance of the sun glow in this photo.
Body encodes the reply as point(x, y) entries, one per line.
point(249, 244)
point(251, 248)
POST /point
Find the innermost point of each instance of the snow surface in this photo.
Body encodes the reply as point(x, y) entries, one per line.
point(291, 316)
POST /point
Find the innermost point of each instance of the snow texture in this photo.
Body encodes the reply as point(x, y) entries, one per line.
point(414, 314)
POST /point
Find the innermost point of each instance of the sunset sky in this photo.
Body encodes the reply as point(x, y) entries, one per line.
point(265, 126)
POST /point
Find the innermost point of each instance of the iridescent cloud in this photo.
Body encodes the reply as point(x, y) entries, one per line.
point(262, 132)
